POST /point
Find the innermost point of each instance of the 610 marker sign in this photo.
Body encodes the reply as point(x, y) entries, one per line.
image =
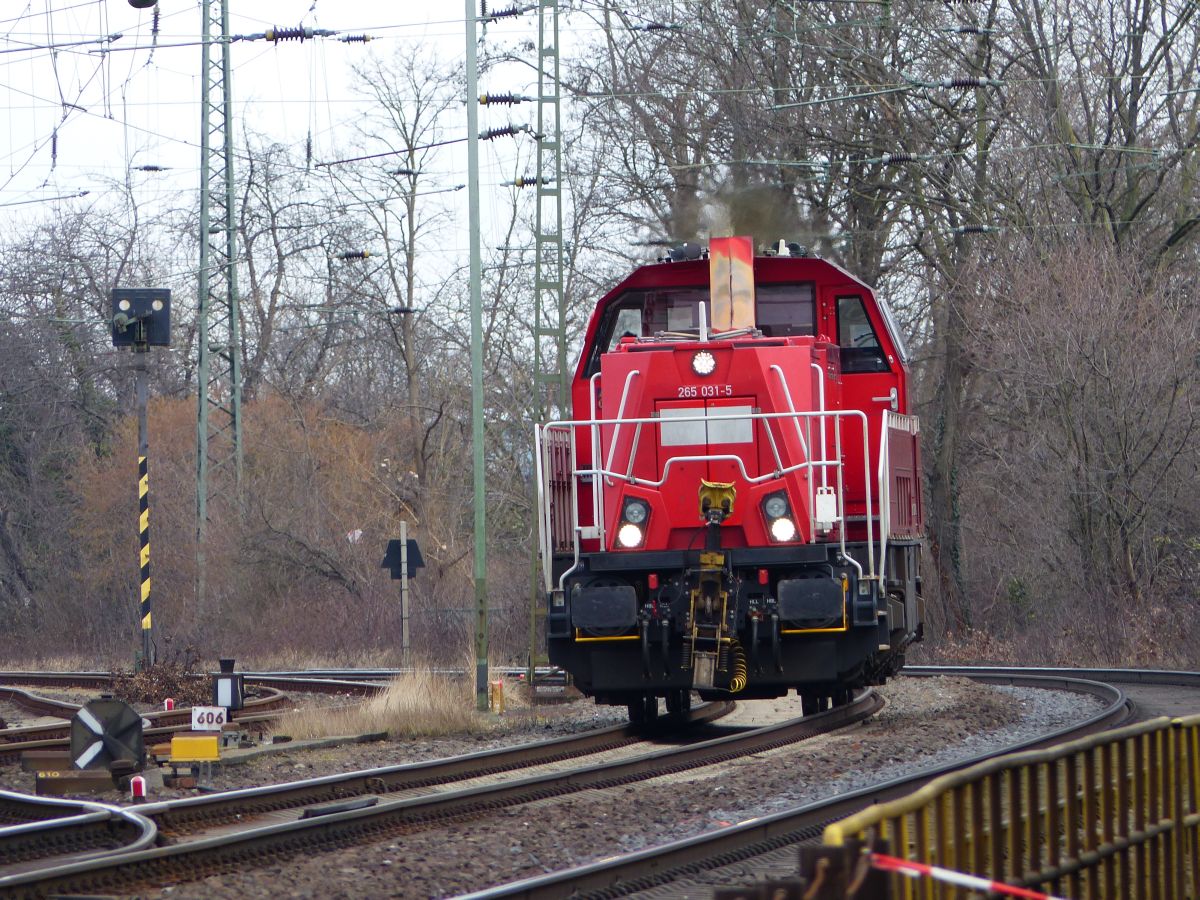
point(209, 718)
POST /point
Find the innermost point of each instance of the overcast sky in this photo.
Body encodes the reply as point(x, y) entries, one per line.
point(83, 99)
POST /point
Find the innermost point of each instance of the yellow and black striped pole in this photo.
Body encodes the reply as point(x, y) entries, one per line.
point(144, 516)
point(144, 543)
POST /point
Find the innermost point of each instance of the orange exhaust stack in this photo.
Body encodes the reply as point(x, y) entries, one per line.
point(731, 282)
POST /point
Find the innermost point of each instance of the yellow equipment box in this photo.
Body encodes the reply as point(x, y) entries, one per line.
point(188, 748)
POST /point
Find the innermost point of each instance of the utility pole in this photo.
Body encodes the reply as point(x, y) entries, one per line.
point(219, 377)
point(550, 308)
point(481, 610)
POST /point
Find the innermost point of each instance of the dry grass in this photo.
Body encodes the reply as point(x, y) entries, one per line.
point(287, 659)
point(17, 662)
point(419, 704)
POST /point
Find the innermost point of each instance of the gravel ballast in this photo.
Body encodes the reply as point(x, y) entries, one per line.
point(926, 722)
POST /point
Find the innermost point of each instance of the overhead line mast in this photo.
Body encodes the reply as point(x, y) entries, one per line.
point(550, 307)
point(550, 345)
point(219, 452)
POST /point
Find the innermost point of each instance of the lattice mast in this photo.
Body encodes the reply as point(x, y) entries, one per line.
point(550, 381)
point(219, 382)
point(550, 338)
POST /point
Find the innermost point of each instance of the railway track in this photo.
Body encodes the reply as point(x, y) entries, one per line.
point(208, 834)
point(269, 696)
point(770, 844)
point(209, 841)
point(53, 828)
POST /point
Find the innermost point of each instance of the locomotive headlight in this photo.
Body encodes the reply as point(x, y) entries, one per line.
point(775, 506)
point(783, 529)
point(629, 535)
point(635, 511)
point(704, 363)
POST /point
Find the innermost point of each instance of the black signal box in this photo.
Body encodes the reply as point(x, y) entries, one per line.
point(141, 317)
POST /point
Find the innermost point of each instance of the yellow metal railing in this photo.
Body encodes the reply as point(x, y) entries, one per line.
point(1112, 816)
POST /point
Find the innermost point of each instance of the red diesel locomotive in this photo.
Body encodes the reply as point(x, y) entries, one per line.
point(735, 507)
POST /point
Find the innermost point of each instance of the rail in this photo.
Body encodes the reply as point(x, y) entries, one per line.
point(698, 860)
point(199, 855)
point(1112, 815)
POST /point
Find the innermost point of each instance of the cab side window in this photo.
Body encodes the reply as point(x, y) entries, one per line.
point(860, 350)
point(628, 324)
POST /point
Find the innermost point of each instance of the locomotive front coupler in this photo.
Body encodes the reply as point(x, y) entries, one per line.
point(708, 634)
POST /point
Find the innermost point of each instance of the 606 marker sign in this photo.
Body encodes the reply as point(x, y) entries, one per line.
point(209, 718)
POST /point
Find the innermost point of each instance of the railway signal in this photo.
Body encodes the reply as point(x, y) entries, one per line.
point(141, 319)
point(229, 691)
point(105, 732)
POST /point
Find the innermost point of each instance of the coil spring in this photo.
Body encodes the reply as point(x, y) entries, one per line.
point(740, 674)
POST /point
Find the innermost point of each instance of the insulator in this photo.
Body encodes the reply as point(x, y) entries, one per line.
point(308, 151)
point(493, 133)
point(974, 229)
point(522, 181)
point(300, 33)
point(399, 172)
point(503, 14)
point(54, 148)
point(972, 29)
point(150, 167)
point(354, 38)
point(154, 20)
point(502, 99)
point(889, 159)
point(483, 9)
point(969, 81)
point(354, 254)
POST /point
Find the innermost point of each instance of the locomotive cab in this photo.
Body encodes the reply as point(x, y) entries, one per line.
point(734, 507)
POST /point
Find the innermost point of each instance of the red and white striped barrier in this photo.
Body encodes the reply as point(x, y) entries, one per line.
point(912, 869)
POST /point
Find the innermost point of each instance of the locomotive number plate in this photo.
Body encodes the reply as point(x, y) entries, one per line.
point(706, 390)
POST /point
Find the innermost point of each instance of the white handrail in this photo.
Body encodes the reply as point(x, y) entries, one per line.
point(604, 471)
point(885, 495)
point(787, 394)
point(612, 445)
point(594, 434)
point(821, 408)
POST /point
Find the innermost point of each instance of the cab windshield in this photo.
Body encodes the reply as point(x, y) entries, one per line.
point(781, 310)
